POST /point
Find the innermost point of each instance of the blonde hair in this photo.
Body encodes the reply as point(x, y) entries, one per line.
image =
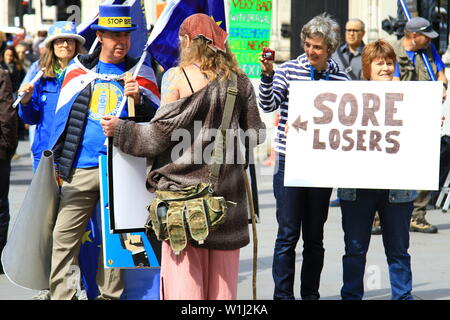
point(49, 60)
point(213, 64)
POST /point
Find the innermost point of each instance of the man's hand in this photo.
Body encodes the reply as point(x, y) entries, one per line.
point(28, 89)
point(109, 124)
point(132, 88)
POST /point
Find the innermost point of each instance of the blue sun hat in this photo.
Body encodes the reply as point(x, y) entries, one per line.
point(114, 18)
point(63, 30)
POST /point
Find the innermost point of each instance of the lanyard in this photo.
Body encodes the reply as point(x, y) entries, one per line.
point(311, 70)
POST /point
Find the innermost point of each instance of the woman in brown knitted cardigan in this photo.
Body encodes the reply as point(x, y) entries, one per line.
point(193, 99)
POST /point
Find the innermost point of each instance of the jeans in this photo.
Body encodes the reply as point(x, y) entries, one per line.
point(298, 209)
point(357, 218)
point(5, 170)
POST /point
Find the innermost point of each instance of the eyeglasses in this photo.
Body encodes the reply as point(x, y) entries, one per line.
point(60, 42)
point(352, 30)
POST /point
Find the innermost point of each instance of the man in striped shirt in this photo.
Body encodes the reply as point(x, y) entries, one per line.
point(299, 208)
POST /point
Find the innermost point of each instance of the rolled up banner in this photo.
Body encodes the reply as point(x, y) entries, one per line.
point(26, 257)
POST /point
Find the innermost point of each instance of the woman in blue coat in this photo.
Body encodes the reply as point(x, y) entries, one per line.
point(39, 104)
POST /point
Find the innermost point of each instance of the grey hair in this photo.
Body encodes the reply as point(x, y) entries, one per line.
point(323, 26)
point(363, 25)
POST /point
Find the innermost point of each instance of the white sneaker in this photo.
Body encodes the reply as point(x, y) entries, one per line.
point(42, 295)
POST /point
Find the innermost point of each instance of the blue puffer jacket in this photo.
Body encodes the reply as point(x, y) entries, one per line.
point(395, 196)
point(41, 111)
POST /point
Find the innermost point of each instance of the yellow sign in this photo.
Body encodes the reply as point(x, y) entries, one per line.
point(115, 22)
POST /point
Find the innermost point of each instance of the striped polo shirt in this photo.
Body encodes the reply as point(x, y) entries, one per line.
point(274, 91)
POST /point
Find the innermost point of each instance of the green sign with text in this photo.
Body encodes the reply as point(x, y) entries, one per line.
point(249, 32)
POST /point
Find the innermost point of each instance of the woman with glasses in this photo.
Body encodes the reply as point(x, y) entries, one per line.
point(38, 105)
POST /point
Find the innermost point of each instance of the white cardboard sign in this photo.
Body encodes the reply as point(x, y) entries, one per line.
point(364, 134)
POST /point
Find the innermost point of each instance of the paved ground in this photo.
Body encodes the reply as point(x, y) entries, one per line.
point(430, 252)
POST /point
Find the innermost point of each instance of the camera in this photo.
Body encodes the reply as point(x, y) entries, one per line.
point(394, 26)
point(268, 54)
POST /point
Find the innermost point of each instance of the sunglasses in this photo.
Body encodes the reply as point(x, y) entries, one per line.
point(60, 42)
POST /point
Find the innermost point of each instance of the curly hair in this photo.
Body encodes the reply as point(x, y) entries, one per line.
point(214, 64)
point(323, 26)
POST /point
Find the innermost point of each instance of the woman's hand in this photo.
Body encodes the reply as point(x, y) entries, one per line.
point(109, 124)
point(267, 66)
point(28, 89)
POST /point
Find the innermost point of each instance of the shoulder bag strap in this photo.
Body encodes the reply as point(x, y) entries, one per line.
point(346, 64)
point(220, 142)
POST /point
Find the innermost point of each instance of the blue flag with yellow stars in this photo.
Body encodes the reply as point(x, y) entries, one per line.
point(164, 37)
point(89, 253)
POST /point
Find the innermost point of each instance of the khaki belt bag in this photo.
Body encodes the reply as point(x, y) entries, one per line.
point(189, 213)
point(194, 212)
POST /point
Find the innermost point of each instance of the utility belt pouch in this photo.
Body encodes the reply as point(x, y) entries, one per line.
point(190, 213)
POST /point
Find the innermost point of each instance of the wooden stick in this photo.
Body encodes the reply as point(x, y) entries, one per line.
point(255, 236)
point(130, 100)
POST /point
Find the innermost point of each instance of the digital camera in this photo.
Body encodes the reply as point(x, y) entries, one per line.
point(268, 54)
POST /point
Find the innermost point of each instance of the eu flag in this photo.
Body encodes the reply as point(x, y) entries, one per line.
point(164, 37)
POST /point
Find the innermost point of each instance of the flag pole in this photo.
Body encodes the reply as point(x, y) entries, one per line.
point(136, 72)
point(33, 81)
point(423, 54)
point(93, 46)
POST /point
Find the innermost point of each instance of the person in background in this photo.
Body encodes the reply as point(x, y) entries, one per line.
point(8, 145)
point(2, 44)
point(348, 56)
point(410, 67)
point(358, 208)
point(297, 208)
point(15, 68)
point(38, 40)
point(17, 73)
point(22, 51)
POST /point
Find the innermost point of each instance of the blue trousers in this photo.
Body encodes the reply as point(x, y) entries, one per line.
point(357, 219)
point(298, 209)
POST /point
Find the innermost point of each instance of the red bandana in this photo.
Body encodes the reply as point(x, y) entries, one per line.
point(202, 25)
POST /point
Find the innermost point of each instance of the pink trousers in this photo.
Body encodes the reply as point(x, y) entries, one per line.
point(199, 274)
